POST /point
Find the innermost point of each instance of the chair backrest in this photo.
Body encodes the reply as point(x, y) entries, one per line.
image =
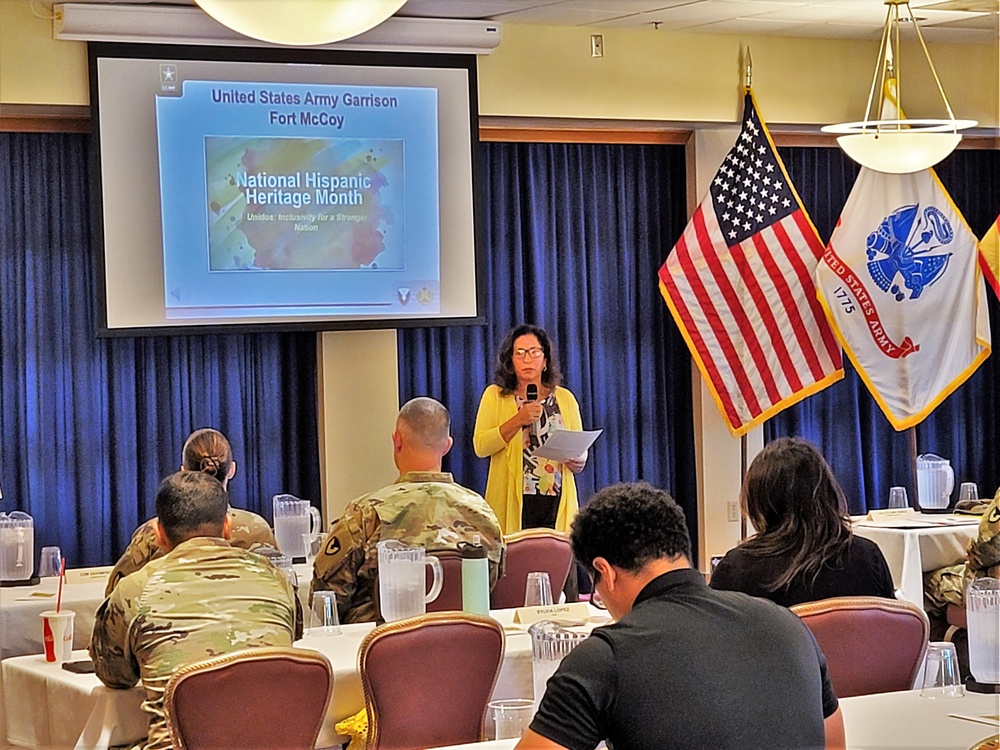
point(450, 597)
point(427, 679)
point(872, 645)
point(527, 551)
point(253, 698)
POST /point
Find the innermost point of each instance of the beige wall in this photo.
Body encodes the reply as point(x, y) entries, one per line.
point(547, 72)
point(541, 71)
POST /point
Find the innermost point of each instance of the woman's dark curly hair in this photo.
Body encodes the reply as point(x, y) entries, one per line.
point(504, 375)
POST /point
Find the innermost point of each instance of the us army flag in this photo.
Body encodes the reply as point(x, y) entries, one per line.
point(989, 249)
point(902, 286)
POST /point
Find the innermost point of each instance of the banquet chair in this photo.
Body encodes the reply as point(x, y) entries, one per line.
point(957, 619)
point(450, 597)
point(872, 645)
point(528, 551)
point(252, 699)
point(427, 679)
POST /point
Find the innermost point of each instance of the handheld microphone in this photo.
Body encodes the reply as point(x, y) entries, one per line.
point(531, 394)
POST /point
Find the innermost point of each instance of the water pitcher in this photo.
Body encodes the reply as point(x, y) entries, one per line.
point(292, 519)
point(17, 546)
point(935, 481)
point(401, 580)
point(982, 607)
point(550, 642)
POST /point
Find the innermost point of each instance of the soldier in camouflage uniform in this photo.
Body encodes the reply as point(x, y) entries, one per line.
point(201, 599)
point(208, 451)
point(424, 507)
point(947, 585)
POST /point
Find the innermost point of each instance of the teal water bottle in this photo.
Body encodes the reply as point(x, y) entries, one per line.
point(475, 578)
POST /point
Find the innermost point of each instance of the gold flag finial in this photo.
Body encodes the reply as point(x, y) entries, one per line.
point(749, 69)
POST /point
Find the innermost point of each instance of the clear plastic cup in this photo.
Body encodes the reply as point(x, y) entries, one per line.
point(511, 717)
point(537, 590)
point(898, 498)
point(941, 677)
point(49, 562)
point(325, 619)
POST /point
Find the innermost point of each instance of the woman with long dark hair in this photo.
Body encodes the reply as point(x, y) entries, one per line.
point(804, 549)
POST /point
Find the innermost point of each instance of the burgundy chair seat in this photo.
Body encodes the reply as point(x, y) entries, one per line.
point(252, 699)
point(872, 645)
point(427, 679)
point(529, 551)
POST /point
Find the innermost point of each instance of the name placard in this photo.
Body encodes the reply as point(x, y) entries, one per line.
point(891, 514)
point(575, 612)
point(89, 575)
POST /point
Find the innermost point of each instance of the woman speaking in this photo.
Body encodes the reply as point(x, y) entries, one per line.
point(517, 414)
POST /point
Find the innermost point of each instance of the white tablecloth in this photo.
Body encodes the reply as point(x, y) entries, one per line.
point(907, 721)
point(20, 607)
point(99, 715)
point(910, 552)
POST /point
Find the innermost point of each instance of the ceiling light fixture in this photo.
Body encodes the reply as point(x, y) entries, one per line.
point(898, 145)
point(300, 22)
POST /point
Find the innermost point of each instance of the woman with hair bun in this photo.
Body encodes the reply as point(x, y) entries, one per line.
point(205, 450)
point(804, 549)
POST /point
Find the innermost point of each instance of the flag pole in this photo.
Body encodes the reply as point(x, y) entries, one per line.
point(915, 502)
point(743, 476)
point(749, 69)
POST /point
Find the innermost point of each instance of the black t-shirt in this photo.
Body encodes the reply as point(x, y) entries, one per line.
point(861, 572)
point(687, 668)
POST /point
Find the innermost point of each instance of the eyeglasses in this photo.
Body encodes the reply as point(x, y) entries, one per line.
point(533, 353)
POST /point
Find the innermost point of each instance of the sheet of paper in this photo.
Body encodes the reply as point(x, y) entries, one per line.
point(563, 445)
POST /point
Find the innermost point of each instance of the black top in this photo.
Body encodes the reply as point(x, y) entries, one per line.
point(862, 572)
point(690, 667)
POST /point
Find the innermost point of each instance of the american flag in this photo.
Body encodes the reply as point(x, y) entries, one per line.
point(740, 285)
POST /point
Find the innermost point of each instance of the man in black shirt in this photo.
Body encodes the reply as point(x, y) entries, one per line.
point(684, 666)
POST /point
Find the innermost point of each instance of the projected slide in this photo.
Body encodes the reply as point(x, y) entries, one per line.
point(299, 198)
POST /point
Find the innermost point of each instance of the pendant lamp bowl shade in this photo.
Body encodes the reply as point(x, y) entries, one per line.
point(300, 22)
point(898, 152)
point(886, 140)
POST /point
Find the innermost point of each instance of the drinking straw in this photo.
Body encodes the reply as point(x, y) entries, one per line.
point(62, 575)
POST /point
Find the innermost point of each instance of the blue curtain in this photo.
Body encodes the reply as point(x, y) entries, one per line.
point(863, 449)
point(89, 426)
point(575, 235)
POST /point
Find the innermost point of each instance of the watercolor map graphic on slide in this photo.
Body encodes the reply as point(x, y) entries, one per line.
point(304, 203)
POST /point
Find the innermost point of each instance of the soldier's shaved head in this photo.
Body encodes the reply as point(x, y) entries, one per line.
point(190, 504)
point(427, 422)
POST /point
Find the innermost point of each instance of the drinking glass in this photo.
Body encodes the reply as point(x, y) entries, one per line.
point(50, 562)
point(325, 620)
point(512, 717)
point(537, 590)
point(313, 543)
point(968, 491)
point(897, 498)
point(941, 678)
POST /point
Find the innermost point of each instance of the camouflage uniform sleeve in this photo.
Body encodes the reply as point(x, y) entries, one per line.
point(250, 531)
point(141, 549)
point(984, 550)
point(109, 647)
point(343, 555)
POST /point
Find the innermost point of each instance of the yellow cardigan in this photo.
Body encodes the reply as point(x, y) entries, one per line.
point(504, 484)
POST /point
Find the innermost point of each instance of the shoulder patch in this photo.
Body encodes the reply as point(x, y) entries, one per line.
point(333, 546)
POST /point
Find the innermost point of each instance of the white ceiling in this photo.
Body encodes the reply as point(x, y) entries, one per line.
point(973, 21)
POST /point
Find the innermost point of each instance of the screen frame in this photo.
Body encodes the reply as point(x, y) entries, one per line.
point(466, 62)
